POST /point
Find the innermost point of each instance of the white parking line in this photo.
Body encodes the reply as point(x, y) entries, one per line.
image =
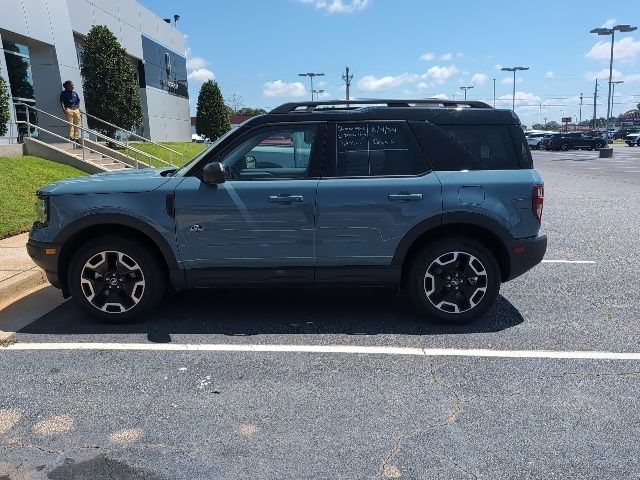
point(340, 349)
point(588, 262)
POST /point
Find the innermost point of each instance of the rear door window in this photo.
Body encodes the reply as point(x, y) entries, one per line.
point(375, 149)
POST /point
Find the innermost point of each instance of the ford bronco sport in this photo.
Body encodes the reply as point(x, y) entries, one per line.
point(438, 197)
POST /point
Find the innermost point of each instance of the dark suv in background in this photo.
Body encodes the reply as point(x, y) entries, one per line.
point(572, 141)
point(439, 197)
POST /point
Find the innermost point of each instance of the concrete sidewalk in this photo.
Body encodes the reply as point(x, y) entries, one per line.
point(18, 273)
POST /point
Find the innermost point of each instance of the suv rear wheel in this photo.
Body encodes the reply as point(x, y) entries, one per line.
point(115, 279)
point(454, 280)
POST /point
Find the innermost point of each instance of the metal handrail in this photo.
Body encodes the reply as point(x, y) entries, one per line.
point(49, 132)
point(170, 150)
point(84, 129)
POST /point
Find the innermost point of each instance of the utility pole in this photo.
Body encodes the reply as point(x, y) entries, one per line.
point(580, 107)
point(347, 81)
point(595, 96)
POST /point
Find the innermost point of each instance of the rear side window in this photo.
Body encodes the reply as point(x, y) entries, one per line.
point(492, 145)
point(368, 149)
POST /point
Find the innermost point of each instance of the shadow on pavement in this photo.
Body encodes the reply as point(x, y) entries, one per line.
point(247, 312)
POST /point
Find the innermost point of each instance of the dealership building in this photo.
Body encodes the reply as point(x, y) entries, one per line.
point(42, 41)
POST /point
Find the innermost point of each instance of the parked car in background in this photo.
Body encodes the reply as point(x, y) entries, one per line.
point(622, 133)
point(574, 141)
point(534, 139)
point(544, 143)
point(632, 140)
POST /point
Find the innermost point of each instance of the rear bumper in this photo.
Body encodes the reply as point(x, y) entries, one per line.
point(532, 252)
point(45, 255)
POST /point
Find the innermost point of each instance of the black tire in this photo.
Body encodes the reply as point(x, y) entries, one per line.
point(426, 285)
point(111, 271)
point(600, 145)
point(564, 147)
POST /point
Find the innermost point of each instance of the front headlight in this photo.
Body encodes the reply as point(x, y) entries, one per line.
point(42, 210)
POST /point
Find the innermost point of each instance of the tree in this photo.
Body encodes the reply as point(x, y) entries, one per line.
point(111, 91)
point(212, 120)
point(552, 126)
point(252, 111)
point(537, 126)
point(5, 115)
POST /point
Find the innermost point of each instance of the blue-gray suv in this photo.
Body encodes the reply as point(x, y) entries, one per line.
point(437, 197)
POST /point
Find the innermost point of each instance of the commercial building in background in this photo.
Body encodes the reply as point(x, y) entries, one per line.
point(41, 45)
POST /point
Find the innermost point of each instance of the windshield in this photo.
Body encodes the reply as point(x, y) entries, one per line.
point(187, 166)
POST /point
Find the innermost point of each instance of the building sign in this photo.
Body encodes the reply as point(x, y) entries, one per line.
point(163, 68)
point(630, 118)
point(566, 119)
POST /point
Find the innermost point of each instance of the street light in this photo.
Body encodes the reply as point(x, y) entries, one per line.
point(613, 92)
point(311, 75)
point(465, 90)
point(625, 28)
point(317, 92)
point(514, 70)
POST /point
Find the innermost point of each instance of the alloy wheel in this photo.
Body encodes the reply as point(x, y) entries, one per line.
point(455, 282)
point(112, 282)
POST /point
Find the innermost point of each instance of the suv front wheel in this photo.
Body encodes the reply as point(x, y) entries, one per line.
point(454, 280)
point(115, 279)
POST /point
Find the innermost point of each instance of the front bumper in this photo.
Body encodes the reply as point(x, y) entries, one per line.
point(45, 255)
point(524, 254)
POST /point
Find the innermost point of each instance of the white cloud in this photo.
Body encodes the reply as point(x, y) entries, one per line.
point(323, 95)
point(522, 98)
point(339, 6)
point(423, 85)
point(459, 55)
point(200, 75)
point(498, 67)
point(322, 83)
point(549, 74)
point(440, 74)
point(278, 88)
point(441, 96)
point(479, 79)
point(370, 83)
point(603, 74)
point(196, 63)
point(509, 80)
point(446, 57)
point(427, 57)
point(609, 23)
point(626, 49)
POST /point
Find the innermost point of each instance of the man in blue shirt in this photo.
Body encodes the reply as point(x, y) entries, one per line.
point(70, 102)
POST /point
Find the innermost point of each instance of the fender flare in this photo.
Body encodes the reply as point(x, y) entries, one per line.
point(466, 218)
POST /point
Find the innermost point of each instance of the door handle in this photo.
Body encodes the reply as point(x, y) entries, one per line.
point(405, 197)
point(286, 198)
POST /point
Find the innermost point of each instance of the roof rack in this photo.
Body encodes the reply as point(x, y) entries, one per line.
point(311, 106)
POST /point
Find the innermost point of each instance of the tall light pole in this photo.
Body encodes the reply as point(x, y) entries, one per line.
point(494, 93)
point(311, 75)
point(317, 92)
point(612, 31)
point(581, 97)
point(514, 70)
point(613, 93)
point(465, 90)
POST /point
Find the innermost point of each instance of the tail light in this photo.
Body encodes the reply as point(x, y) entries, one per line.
point(538, 201)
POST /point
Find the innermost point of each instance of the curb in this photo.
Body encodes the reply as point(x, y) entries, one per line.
point(21, 283)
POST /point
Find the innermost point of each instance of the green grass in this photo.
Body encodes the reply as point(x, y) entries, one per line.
point(188, 149)
point(20, 177)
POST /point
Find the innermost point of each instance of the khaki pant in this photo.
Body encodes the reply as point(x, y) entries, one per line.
point(73, 117)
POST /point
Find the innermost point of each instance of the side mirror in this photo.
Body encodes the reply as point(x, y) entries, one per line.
point(213, 173)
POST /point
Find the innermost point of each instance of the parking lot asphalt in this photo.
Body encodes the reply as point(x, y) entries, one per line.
point(173, 414)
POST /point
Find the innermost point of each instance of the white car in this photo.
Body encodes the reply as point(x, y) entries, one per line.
point(633, 139)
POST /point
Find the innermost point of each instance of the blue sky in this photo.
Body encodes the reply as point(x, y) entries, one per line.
point(412, 49)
